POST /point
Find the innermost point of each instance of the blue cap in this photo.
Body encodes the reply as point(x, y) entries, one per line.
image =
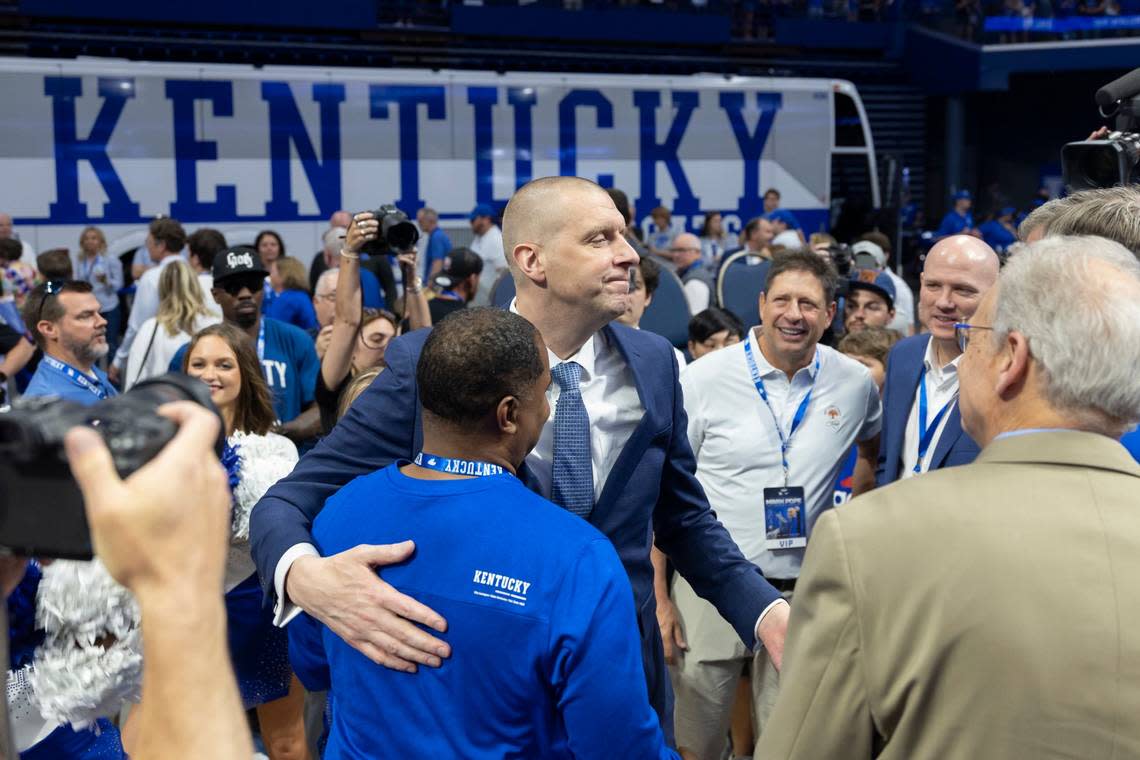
point(1007, 211)
point(785, 216)
point(483, 209)
point(963, 195)
point(875, 282)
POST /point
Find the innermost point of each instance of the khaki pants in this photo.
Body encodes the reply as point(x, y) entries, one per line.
point(705, 677)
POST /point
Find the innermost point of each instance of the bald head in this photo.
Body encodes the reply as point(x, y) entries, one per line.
point(686, 248)
point(541, 208)
point(340, 219)
point(959, 270)
point(5, 226)
point(965, 251)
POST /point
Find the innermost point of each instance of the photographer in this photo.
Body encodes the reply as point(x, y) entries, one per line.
point(359, 337)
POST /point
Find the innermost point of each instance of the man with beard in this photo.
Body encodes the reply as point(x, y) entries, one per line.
point(288, 360)
point(65, 321)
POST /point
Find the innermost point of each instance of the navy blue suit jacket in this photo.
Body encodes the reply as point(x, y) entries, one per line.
point(651, 490)
point(904, 371)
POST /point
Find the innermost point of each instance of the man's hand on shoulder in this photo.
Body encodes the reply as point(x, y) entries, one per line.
point(772, 631)
point(345, 593)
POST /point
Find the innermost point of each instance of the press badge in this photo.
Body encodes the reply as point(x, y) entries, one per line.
point(785, 518)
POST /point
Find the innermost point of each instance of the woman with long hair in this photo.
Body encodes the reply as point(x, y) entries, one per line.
point(292, 302)
point(182, 311)
point(105, 273)
point(715, 241)
point(223, 357)
point(270, 247)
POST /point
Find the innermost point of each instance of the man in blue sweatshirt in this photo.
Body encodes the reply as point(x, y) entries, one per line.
point(546, 656)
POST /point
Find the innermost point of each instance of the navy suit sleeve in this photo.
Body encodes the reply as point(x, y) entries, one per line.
point(686, 529)
point(595, 665)
point(378, 429)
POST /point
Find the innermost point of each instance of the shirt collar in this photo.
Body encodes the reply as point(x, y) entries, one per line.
point(586, 356)
point(767, 369)
point(946, 370)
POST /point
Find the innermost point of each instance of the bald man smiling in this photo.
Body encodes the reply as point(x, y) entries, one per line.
point(922, 428)
point(615, 452)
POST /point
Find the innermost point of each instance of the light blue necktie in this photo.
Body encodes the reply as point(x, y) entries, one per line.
point(572, 487)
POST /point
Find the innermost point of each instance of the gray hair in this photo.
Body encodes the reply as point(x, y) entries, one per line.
point(1042, 216)
point(334, 238)
point(1077, 301)
point(1110, 212)
point(329, 275)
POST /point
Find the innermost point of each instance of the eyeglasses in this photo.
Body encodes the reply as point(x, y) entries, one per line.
point(51, 288)
point(234, 285)
point(962, 334)
point(684, 250)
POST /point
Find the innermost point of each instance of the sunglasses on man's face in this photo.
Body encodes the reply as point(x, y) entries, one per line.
point(235, 285)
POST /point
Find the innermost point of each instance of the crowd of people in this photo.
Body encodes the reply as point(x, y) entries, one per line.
point(536, 530)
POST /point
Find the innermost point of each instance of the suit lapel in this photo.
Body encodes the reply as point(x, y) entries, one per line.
point(949, 438)
point(638, 442)
point(910, 375)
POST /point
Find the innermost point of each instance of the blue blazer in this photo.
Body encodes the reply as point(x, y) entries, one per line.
point(651, 492)
point(904, 371)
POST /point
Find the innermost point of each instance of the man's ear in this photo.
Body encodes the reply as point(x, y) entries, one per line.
point(529, 261)
point(47, 329)
point(507, 415)
point(1013, 364)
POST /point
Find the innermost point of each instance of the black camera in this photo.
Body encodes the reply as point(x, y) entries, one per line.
point(844, 261)
point(1089, 164)
point(397, 234)
point(41, 508)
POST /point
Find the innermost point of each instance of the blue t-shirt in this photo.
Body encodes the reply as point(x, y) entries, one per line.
point(52, 381)
point(996, 235)
point(290, 366)
point(1131, 442)
point(546, 660)
point(439, 245)
point(293, 307)
point(954, 223)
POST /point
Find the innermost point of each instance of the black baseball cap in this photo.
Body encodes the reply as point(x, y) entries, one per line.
point(242, 259)
point(459, 264)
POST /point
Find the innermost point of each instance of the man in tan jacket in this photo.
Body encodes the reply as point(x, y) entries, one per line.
point(992, 610)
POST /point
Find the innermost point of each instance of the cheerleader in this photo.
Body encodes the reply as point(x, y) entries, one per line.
point(223, 358)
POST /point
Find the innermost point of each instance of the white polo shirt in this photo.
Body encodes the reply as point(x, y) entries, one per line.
point(738, 448)
point(941, 390)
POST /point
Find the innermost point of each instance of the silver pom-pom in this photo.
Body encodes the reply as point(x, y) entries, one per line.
point(91, 661)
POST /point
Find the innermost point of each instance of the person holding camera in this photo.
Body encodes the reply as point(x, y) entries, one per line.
point(360, 337)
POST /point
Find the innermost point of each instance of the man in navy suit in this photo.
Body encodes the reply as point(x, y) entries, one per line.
point(615, 450)
point(922, 428)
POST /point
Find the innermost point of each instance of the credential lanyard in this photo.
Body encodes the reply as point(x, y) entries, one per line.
point(458, 466)
point(261, 341)
point(91, 264)
point(926, 433)
point(801, 411)
point(77, 377)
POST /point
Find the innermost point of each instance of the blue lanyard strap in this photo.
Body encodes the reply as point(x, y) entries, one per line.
point(261, 340)
point(91, 264)
point(457, 466)
point(801, 411)
point(925, 432)
point(76, 377)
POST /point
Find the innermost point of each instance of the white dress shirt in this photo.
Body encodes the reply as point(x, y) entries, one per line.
point(941, 389)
